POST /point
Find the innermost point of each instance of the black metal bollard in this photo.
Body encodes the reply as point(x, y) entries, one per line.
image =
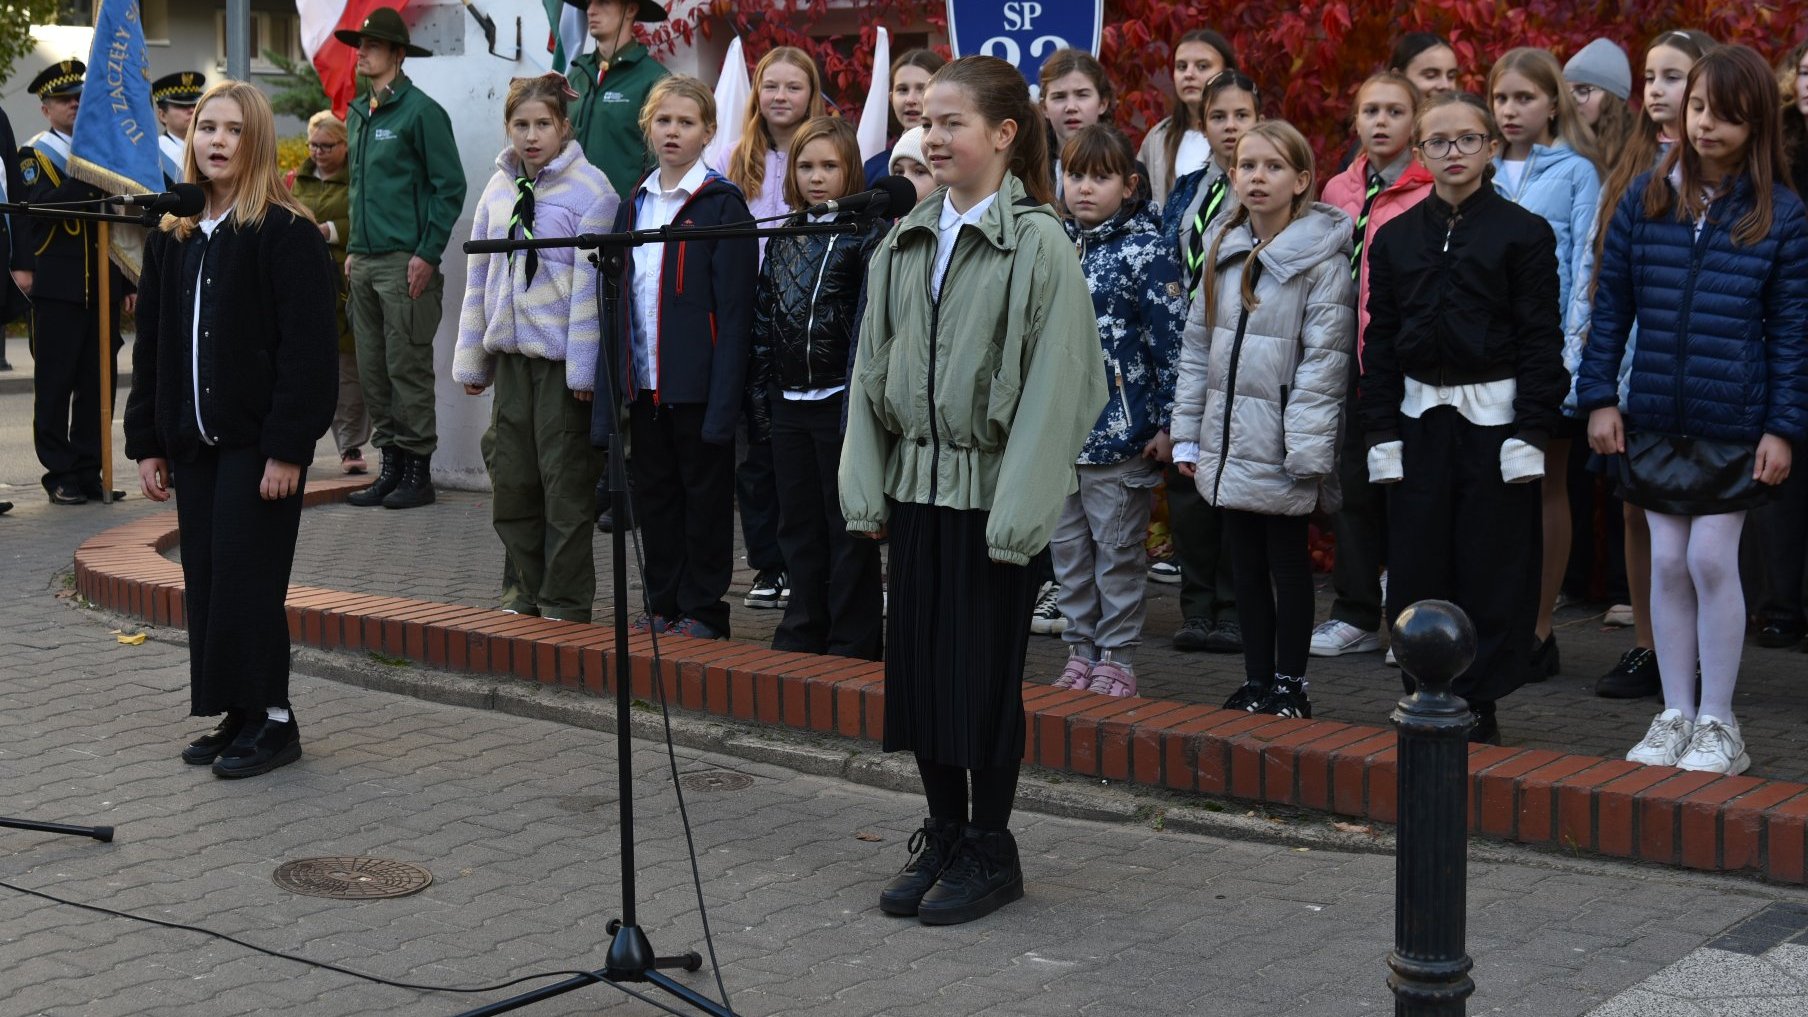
point(1435, 643)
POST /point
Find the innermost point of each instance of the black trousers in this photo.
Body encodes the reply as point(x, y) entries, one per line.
point(684, 503)
point(836, 599)
point(237, 550)
point(1206, 586)
point(1783, 528)
point(756, 492)
point(1361, 530)
point(1273, 569)
point(1458, 532)
point(65, 347)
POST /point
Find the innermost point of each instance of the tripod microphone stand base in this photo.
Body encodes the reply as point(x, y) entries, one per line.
point(100, 833)
point(630, 959)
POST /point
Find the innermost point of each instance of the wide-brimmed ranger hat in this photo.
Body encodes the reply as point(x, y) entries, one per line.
point(384, 25)
point(61, 78)
point(183, 88)
point(648, 10)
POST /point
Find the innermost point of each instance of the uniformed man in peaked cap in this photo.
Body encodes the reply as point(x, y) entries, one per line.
point(175, 96)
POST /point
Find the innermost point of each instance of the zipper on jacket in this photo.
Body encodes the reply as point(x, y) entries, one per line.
point(1230, 381)
point(810, 326)
point(1122, 399)
point(1688, 306)
point(935, 438)
point(659, 326)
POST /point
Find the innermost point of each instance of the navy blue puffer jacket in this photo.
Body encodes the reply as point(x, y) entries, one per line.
point(1722, 351)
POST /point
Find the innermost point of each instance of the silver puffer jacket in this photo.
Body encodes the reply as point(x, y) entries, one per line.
point(1262, 392)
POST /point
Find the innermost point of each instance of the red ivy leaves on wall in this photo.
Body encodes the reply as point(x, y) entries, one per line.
point(1309, 56)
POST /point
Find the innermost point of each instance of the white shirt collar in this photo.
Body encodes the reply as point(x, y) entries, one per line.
point(688, 186)
point(953, 220)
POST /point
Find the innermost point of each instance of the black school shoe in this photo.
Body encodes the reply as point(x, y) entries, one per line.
point(1487, 727)
point(67, 494)
point(1775, 635)
point(1224, 637)
point(1634, 677)
point(930, 849)
point(983, 876)
point(207, 748)
point(261, 746)
point(1545, 663)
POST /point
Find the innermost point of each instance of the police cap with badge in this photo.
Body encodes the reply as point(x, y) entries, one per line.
point(61, 78)
point(183, 88)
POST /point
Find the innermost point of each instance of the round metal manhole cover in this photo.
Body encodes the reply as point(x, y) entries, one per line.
point(351, 878)
point(716, 780)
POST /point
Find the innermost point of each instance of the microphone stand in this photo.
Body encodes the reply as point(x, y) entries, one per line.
point(631, 957)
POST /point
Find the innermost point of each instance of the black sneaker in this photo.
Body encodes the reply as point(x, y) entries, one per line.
point(1224, 637)
point(1247, 697)
point(261, 746)
point(1778, 635)
point(982, 876)
point(1287, 698)
point(1545, 662)
point(768, 592)
point(930, 849)
point(1634, 677)
point(1191, 636)
point(207, 748)
point(1487, 727)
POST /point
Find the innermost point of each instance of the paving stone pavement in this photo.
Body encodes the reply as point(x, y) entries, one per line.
point(515, 819)
point(450, 553)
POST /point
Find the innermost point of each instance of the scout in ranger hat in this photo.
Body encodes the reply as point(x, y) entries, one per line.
point(175, 96)
point(57, 262)
point(407, 188)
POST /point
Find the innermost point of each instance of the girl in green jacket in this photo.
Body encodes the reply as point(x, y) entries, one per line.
point(978, 378)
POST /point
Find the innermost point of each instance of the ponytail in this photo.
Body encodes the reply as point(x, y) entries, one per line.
point(999, 93)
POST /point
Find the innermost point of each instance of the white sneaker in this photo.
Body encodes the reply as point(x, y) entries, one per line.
point(1619, 616)
point(1717, 747)
point(1666, 740)
point(1335, 638)
point(1045, 617)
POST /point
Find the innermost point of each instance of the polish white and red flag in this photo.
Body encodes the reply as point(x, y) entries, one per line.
point(336, 62)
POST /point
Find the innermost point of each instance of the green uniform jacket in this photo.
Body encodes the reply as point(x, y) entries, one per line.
point(982, 399)
point(606, 120)
point(407, 183)
point(329, 198)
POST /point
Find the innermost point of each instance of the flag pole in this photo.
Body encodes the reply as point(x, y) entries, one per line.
point(106, 364)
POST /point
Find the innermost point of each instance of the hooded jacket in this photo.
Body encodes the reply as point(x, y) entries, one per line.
point(806, 313)
point(1463, 296)
point(1565, 189)
point(1184, 205)
point(1721, 352)
point(1348, 190)
point(979, 400)
point(1140, 307)
point(1262, 391)
point(408, 186)
point(554, 316)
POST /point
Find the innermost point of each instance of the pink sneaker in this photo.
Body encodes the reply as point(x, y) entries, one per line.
point(1077, 675)
point(1110, 678)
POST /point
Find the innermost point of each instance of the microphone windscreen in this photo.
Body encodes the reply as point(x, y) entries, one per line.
point(190, 200)
point(900, 195)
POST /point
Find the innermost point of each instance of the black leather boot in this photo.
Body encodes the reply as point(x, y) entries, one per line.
point(207, 748)
point(416, 488)
point(389, 474)
point(262, 745)
point(930, 848)
point(983, 876)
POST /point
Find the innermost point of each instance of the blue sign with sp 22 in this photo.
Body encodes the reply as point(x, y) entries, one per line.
point(1024, 32)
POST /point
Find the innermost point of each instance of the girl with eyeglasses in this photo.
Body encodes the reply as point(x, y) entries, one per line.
point(1462, 381)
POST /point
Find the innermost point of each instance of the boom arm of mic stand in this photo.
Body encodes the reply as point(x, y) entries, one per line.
point(26, 208)
point(638, 238)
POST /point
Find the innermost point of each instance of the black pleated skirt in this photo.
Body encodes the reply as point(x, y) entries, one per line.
point(957, 631)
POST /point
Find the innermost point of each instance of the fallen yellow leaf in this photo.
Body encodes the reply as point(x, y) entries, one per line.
point(132, 640)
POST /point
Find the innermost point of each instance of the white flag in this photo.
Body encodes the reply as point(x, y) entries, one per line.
point(734, 90)
point(875, 116)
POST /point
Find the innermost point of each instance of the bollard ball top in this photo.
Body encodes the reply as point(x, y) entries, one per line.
point(1434, 642)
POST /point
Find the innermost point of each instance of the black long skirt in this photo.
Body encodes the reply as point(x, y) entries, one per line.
point(956, 637)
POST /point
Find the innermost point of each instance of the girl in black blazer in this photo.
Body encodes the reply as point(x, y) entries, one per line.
point(235, 376)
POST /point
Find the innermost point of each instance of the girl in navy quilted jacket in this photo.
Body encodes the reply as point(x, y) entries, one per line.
point(1097, 547)
point(1709, 256)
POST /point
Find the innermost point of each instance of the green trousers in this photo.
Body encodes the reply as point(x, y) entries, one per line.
point(543, 480)
point(394, 336)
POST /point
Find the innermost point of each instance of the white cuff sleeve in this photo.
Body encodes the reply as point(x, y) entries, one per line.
point(1186, 452)
point(1520, 463)
point(1387, 463)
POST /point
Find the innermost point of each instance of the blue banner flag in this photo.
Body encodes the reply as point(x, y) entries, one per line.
point(115, 142)
point(1024, 33)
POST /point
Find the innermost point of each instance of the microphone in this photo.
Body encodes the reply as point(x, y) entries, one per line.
point(891, 195)
point(180, 200)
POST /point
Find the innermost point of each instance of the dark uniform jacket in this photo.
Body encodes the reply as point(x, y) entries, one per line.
point(63, 254)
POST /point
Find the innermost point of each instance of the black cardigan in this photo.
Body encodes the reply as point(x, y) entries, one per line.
point(269, 354)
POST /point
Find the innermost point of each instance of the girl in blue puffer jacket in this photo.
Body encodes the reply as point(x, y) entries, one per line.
point(1097, 546)
point(1550, 165)
point(1709, 256)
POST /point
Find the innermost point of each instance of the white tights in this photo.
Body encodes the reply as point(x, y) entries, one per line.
point(1697, 609)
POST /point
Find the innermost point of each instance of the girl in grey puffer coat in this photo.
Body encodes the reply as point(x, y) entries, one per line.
point(1258, 409)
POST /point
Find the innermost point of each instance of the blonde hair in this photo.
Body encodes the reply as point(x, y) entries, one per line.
point(1296, 152)
point(679, 86)
point(257, 183)
point(837, 132)
point(747, 164)
point(325, 120)
point(1541, 68)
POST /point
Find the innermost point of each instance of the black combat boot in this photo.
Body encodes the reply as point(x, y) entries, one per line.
point(416, 488)
point(388, 476)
